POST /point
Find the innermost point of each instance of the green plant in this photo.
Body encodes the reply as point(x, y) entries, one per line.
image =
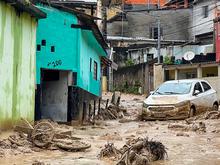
point(129, 62)
point(167, 60)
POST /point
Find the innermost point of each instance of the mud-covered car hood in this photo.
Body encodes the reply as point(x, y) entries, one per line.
point(165, 99)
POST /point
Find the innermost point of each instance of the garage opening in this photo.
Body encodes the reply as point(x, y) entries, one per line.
point(210, 71)
point(187, 73)
point(169, 75)
point(54, 95)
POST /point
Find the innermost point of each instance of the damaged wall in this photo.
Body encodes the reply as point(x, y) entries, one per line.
point(140, 24)
point(17, 65)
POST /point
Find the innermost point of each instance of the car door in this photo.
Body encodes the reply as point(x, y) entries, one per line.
point(209, 94)
point(198, 99)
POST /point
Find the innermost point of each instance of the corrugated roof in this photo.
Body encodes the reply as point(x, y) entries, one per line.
point(28, 7)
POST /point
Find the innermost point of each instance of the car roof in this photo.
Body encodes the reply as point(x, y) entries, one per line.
point(185, 81)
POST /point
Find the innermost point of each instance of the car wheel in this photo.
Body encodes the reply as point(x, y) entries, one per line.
point(215, 107)
point(192, 112)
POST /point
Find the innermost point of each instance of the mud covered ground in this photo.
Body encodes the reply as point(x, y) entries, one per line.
point(185, 145)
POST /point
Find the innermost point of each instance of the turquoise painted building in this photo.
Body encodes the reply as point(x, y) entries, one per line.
point(70, 49)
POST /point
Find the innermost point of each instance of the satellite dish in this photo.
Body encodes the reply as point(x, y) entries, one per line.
point(188, 56)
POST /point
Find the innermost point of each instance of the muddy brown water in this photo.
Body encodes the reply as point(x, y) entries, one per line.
point(197, 149)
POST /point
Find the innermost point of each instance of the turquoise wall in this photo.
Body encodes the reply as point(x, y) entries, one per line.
point(73, 48)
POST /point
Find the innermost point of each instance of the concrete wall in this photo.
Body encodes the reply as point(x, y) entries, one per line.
point(138, 75)
point(200, 24)
point(158, 75)
point(17, 65)
point(174, 23)
point(116, 28)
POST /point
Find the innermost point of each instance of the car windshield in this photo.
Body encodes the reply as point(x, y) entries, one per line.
point(177, 88)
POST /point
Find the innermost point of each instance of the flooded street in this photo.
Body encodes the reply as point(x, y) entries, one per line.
point(189, 147)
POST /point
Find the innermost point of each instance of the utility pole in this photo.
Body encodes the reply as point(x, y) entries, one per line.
point(158, 4)
point(99, 14)
point(122, 20)
point(158, 33)
point(158, 40)
point(148, 4)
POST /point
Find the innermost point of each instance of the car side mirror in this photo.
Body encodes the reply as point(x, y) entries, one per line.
point(196, 92)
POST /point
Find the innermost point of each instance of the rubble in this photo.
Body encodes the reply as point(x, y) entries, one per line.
point(212, 115)
point(2, 153)
point(43, 136)
point(182, 134)
point(205, 116)
point(36, 162)
point(140, 151)
point(111, 113)
point(109, 151)
point(195, 127)
point(110, 137)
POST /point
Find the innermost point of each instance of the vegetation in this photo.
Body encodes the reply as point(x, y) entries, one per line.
point(129, 88)
point(167, 60)
point(129, 62)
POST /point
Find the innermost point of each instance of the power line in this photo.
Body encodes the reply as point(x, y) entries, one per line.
point(175, 32)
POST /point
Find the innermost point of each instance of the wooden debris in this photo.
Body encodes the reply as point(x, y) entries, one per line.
point(43, 134)
point(109, 151)
point(136, 152)
point(22, 129)
point(142, 151)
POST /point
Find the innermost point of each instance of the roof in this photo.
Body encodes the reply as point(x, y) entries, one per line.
point(84, 2)
point(190, 65)
point(184, 81)
point(24, 6)
point(179, 2)
point(143, 40)
point(86, 20)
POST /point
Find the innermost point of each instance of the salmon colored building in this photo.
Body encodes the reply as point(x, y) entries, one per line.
point(144, 2)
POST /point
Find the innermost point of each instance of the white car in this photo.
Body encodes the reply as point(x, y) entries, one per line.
point(180, 99)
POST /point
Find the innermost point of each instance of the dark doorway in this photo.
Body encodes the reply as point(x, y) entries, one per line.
point(54, 95)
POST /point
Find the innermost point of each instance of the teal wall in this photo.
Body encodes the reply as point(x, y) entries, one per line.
point(73, 48)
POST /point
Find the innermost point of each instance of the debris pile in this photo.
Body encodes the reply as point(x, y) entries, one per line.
point(111, 137)
point(195, 127)
point(109, 151)
point(42, 136)
point(212, 115)
point(111, 113)
point(15, 144)
point(205, 116)
point(136, 151)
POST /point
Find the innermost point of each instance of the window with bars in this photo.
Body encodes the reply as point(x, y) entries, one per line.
point(205, 11)
point(154, 32)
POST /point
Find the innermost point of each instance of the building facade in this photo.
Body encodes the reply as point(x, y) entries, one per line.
point(69, 54)
point(204, 12)
point(17, 61)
